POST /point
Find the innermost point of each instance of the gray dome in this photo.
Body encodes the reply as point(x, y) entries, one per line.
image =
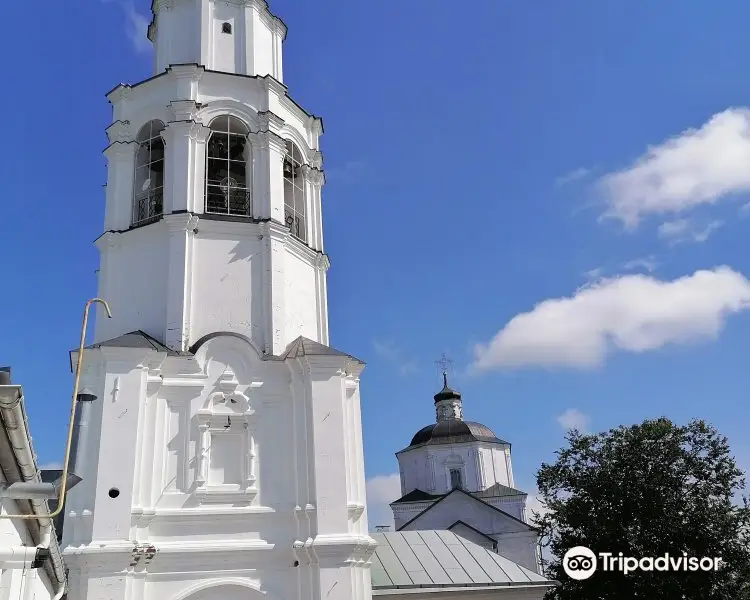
point(454, 431)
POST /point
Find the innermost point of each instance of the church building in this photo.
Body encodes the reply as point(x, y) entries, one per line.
point(457, 475)
point(219, 435)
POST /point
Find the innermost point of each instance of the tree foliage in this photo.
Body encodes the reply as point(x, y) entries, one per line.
point(647, 490)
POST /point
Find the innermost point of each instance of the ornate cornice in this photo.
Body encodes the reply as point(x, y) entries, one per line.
point(195, 131)
point(313, 175)
point(120, 150)
point(119, 131)
point(316, 159)
point(120, 93)
point(268, 139)
point(270, 121)
point(184, 110)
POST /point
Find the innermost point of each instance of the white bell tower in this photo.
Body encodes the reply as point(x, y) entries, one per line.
point(224, 456)
point(213, 213)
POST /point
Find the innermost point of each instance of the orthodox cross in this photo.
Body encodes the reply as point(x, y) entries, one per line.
point(444, 364)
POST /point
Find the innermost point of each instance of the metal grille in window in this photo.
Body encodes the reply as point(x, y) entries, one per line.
point(456, 482)
point(227, 191)
point(294, 192)
point(148, 192)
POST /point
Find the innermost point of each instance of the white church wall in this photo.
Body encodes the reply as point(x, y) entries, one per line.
point(300, 294)
point(496, 465)
point(298, 464)
point(515, 541)
point(178, 42)
point(192, 33)
point(473, 536)
point(427, 468)
point(513, 505)
point(226, 54)
point(133, 276)
point(406, 511)
point(520, 547)
point(227, 276)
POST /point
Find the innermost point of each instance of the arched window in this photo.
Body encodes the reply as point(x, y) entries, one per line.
point(148, 190)
point(227, 191)
point(294, 192)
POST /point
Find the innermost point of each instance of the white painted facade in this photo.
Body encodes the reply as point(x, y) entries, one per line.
point(224, 456)
point(481, 465)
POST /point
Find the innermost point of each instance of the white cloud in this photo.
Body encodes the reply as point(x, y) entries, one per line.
point(744, 209)
point(381, 491)
point(574, 175)
point(683, 230)
point(646, 263)
point(699, 166)
point(574, 419)
point(632, 313)
point(136, 25)
point(389, 351)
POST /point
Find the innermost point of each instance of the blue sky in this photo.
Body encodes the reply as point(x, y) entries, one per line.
point(545, 191)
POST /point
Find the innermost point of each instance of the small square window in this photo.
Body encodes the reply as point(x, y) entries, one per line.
point(226, 28)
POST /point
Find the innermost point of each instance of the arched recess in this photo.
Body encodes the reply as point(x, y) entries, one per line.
point(226, 588)
point(295, 192)
point(228, 167)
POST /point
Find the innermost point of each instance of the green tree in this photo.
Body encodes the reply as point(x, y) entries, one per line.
point(647, 490)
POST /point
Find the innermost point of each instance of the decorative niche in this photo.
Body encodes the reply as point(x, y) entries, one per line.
point(227, 451)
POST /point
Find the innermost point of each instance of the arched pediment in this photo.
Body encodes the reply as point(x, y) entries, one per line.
point(231, 358)
point(223, 589)
point(232, 108)
point(290, 133)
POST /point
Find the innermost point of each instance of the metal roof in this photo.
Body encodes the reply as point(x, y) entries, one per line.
point(443, 560)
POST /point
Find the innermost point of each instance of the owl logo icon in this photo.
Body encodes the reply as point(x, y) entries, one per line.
point(579, 563)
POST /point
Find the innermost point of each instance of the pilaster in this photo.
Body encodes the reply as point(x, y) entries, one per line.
point(181, 140)
point(274, 290)
point(268, 151)
point(181, 230)
point(119, 196)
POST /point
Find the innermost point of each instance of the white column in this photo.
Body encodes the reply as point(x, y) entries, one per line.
point(182, 169)
point(260, 170)
point(118, 214)
point(202, 475)
point(180, 230)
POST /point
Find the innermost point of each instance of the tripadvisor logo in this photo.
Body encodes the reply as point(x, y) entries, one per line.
point(581, 563)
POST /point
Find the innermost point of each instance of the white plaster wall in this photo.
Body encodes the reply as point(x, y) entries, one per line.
point(277, 289)
point(226, 48)
point(521, 548)
point(300, 296)
point(426, 468)
point(227, 291)
point(473, 536)
point(513, 505)
point(308, 473)
point(190, 32)
point(515, 541)
point(132, 278)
